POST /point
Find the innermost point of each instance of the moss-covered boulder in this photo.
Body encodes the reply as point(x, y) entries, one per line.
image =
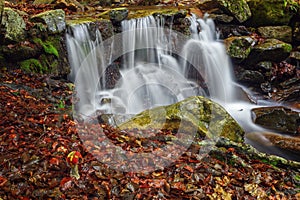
point(237, 8)
point(270, 50)
point(239, 47)
point(269, 12)
point(198, 114)
point(54, 19)
point(281, 119)
point(283, 33)
point(13, 26)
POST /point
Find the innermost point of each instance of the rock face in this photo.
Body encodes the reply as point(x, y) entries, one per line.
point(54, 19)
point(269, 12)
point(278, 118)
point(238, 8)
point(198, 114)
point(14, 26)
point(283, 33)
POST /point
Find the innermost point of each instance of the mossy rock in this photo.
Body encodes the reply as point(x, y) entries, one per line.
point(270, 50)
point(199, 114)
point(238, 47)
point(48, 46)
point(33, 66)
point(269, 12)
point(237, 8)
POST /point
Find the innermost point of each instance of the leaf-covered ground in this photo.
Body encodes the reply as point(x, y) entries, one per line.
point(37, 132)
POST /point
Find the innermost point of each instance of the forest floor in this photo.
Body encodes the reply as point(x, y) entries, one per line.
point(37, 132)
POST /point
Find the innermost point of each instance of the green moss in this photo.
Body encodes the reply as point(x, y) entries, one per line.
point(32, 65)
point(47, 46)
point(270, 12)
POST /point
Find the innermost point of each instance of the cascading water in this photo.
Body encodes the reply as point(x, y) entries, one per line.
point(153, 71)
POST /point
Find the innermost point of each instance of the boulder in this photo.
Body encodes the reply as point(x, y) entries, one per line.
point(268, 13)
point(117, 15)
point(54, 19)
point(237, 8)
point(270, 50)
point(281, 119)
point(283, 33)
point(239, 48)
point(250, 77)
point(13, 26)
point(198, 114)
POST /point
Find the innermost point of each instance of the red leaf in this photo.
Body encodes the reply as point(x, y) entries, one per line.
point(2, 181)
point(66, 183)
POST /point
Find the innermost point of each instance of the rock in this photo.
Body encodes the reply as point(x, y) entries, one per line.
point(54, 19)
point(117, 15)
point(281, 119)
point(13, 26)
point(250, 77)
point(283, 33)
point(230, 30)
point(21, 52)
point(270, 50)
point(295, 57)
point(239, 48)
point(283, 142)
point(290, 94)
point(221, 18)
point(269, 12)
point(237, 8)
point(296, 32)
point(198, 114)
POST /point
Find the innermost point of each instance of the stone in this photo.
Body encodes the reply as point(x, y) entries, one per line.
point(280, 119)
point(13, 26)
point(197, 113)
point(270, 50)
point(268, 13)
point(296, 32)
point(54, 19)
point(117, 15)
point(250, 77)
point(237, 8)
point(21, 52)
point(238, 48)
point(283, 33)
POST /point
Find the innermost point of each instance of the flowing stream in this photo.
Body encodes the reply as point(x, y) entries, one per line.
point(154, 66)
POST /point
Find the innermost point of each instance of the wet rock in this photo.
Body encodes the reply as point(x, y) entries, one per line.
point(117, 15)
point(268, 13)
point(281, 119)
point(237, 8)
point(283, 142)
point(13, 26)
point(112, 76)
point(250, 77)
point(283, 33)
point(270, 50)
point(54, 19)
point(295, 57)
point(238, 48)
point(194, 114)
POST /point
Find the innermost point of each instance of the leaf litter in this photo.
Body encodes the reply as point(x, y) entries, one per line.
point(37, 133)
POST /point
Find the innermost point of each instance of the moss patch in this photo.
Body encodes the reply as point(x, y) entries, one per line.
point(48, 46)
point(33, 65)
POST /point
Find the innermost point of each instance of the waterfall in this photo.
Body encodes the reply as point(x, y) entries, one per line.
point(155, 66)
